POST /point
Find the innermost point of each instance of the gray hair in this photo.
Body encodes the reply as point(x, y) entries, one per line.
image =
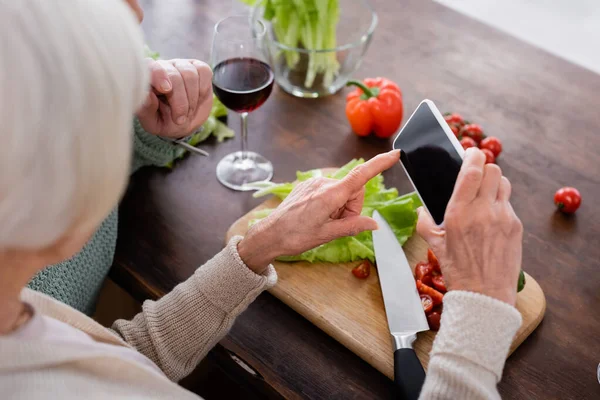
point(71, 76)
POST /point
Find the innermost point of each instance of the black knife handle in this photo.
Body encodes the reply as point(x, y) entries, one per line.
point(409, 374)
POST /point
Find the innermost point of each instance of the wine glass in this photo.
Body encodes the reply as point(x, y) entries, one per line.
point(242, 81)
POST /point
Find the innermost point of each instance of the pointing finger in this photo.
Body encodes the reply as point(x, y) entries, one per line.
point(360, 175)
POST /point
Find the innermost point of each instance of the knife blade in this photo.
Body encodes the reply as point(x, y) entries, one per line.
point(402, 307)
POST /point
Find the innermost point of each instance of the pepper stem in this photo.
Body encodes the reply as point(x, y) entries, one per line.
point(366, 90)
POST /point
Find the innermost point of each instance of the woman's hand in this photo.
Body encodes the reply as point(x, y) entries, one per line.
point(479, 245)
point(316, 212)
point(180, 98)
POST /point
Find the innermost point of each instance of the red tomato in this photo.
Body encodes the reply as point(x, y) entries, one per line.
point(454, 119)
point(489, 156)
point(467, 142)
point(433, 261)
point(436, 296)
point(473, 131)
point(428, 280)
point(423, 273)
point(493, 144)
point(455, 129)
point(426, 302)
point(362, 270)
point(422, 269)
point(439, 284)
point(433, 319)
point(567, 199)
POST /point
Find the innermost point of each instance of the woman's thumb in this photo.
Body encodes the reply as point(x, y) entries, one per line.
point(426, 226)
point(350, 226)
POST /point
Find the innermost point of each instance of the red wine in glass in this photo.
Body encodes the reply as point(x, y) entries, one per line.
point(242, 80)
point(242, 84)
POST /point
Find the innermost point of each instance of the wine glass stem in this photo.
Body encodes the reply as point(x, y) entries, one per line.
point(244, 119)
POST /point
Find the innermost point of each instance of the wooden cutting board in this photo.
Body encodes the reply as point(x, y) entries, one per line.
point(351, 310)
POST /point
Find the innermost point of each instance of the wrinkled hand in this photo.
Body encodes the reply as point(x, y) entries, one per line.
point(180, 98)
point(317, 211)
point(479, 244)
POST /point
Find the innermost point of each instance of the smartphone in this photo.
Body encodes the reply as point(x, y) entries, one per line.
point(431, 156)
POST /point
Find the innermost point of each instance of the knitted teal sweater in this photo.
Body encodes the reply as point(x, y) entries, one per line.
point(78, 280)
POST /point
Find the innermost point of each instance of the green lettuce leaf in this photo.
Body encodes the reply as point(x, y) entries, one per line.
point(346, 249)
point(304, 176)
point(152, 54)
point(218, 109)
point(281, 190)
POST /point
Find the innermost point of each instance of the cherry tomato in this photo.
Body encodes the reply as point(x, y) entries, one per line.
point(455, 129)
point(422, 269)
point(567, 199)
point(439, 284)
point(433, 261)
point(436, 296)
point(426, 302)
point(489, 156)
point(428, 280)
point(433, 319)
point(493, 144)
point(467, 142)
point(423, 273)
point(362, 270)
point(454, 119)
point(473, 131)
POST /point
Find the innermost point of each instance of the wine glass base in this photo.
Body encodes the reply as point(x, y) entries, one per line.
point(234, 171)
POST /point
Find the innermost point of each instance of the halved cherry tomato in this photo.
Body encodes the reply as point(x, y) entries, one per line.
point(493, 144)
point(433, 319)
point(424, 273)
point(422, 269)
point(489, 156)
point(427, 303)
point(436, 296)
point(433, 261)
point(467, 142)
point(428, 280)
point(439, 284)
point(473, 131)
point(362, 270)
point(454, 119)
point(567, 199)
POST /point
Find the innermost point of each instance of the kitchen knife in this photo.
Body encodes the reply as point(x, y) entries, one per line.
point(402, 306)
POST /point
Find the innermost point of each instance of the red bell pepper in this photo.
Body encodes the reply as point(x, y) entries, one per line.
point(374, 106)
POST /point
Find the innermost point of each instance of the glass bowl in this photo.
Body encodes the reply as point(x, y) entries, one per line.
point(318, 73)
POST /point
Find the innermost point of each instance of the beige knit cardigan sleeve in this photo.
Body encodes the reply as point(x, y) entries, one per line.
point(178, 330)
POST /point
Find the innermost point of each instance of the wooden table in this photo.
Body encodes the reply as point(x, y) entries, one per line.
point(546, 111)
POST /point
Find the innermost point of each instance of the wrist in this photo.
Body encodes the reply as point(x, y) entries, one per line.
point(506, 295)
point(256, 251)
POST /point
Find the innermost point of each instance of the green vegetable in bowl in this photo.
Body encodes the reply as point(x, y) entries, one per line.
point(399, 212)
point(308, 24)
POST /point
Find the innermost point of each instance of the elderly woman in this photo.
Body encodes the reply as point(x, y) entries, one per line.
point(69, 90)
point(185, 86)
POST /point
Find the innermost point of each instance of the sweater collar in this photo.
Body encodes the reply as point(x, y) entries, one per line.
point(50, 307)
